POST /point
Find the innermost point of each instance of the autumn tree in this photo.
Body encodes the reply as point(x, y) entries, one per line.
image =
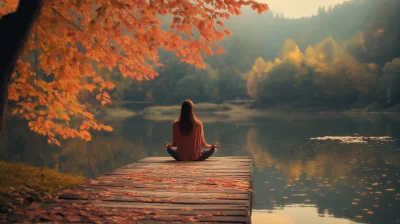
point(72, 38)
point(255, 75)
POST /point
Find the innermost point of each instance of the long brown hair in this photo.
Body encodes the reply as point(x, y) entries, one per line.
point(187, 119)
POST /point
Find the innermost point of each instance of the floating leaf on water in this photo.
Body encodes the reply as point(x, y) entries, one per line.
point(299, 195)
point(353, 139)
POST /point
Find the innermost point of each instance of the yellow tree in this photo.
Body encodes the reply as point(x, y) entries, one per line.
point(254, 76)
point(72, 37)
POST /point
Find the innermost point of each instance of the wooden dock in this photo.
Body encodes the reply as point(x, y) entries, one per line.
point(158, 190)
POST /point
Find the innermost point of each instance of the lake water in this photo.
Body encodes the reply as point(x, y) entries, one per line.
point(297, 179)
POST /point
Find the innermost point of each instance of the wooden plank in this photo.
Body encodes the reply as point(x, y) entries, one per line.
point(194, 169)
point(199, 171)
point(159, 189)
point(167, 206)
point(172, 200)
point(168, 161)
point(195, 175)
point(177, 200)
point(182, 163)
point(95, 187)
point(185, 180)
point(182, 175)
point(171, 188)
point(216, 212)
point(233, 216)
point(230, 158)
point(167, 182)
point(147, 193)
point(152, 194)
point(237, 219)
point(174, 164)
point(182, 168)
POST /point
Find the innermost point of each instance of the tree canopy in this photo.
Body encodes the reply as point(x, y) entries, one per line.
point(71, 39)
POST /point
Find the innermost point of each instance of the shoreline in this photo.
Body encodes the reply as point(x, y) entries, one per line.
point(229, 112)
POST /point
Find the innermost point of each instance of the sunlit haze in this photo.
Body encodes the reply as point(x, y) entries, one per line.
point(299, 8)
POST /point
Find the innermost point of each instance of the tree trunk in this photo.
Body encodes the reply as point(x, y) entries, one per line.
point(15, 30)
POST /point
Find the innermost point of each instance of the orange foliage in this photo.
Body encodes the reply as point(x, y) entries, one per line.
point(71, 37)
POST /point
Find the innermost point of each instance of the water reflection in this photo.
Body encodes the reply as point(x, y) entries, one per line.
point(298, 214)
point(350, 182)
point(354, 181)
point(106, 151)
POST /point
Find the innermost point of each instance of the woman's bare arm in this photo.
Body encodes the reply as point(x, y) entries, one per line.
point(174, 133)
point(203, 142)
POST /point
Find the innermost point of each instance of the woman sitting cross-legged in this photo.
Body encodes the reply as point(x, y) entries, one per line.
point(188, 137)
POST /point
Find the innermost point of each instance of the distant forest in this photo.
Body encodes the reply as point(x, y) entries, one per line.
point(347, 56)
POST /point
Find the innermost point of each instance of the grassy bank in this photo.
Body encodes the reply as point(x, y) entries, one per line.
point(20, 185)
point(208, 112)
point(118, 113)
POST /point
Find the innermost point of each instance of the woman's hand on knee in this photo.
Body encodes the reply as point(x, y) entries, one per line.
point(215, 145)
point(167, 144)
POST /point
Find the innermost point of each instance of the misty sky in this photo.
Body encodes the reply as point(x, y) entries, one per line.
point(299, 8)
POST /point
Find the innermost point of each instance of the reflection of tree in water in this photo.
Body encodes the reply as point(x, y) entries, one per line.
point(101, 155)
point(353, 181)
point(104, 153)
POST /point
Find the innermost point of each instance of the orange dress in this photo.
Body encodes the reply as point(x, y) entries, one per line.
point(188, 146)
